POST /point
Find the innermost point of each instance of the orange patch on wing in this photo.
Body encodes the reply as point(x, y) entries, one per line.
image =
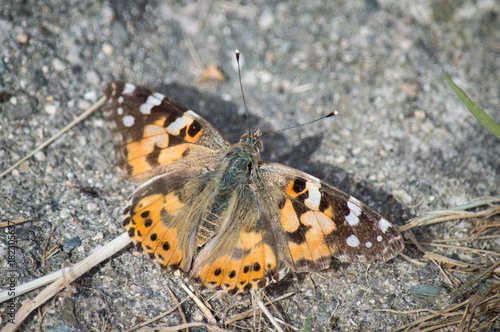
point(249, 240)
point(260, 259)
point(228, 272)
point(172, 154)
point(138, 166)
point(154, 135)
point(318, 220)
point(172, 203)
point(321, 226)
point(299, 251)
point(314, 247)
point(213, 275)
point(136, 150)
point(290, 191)
point(157, 239)
point(195, 138)
point(160, 122)
point(289, 220)
point(151, 203)
point(329, 211)
point(172, 256)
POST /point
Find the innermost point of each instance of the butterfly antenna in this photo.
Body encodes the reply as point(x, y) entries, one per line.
point(242, 93)
point(333, 113)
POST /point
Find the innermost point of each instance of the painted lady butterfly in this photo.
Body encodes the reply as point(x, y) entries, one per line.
point(217, 212)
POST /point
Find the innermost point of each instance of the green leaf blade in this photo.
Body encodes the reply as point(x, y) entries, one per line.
point(481, 116)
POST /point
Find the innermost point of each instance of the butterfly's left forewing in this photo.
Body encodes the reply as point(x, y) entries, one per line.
point(155, 134)
point(313, 221)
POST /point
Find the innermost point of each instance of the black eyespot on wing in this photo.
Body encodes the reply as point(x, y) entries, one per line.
point(299, 185)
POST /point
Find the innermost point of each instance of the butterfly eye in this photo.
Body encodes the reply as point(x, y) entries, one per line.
point(258, 145)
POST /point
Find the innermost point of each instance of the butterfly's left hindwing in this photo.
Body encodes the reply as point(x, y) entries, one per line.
point(164, 215)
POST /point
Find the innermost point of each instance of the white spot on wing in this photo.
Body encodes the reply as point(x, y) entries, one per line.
point(155, 99)
point(120, 99)
point(175, 127)
point(146, 108)
point(352, 241)
point(119, 110)
point(368, 244)
point(158, 96)
point(379, 238)
point(351, 204)
point(354, 200)
point(129, 88)
point(384, 225)
point(152, 101)
point(314, 198)
point(352, 219)
point(128, 120)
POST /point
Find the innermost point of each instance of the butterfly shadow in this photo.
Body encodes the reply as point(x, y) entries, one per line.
point(228, 117)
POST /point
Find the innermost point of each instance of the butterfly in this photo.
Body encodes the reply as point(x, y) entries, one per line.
point(229, 220)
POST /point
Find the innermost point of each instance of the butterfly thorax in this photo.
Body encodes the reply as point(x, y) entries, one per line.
point(234, 176)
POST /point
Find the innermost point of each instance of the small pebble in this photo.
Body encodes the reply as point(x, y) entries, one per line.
point(22, 38)
point(420, 115)
point(91, 95)
point(98, 236)
point(64, 214)
point(427, 292)
point(40, 156)
point(58, 65)
point(91, 207)
point(265, 76)
point(23, 233)
point(72, 244)
point(197, 316)
point(50, 109)
point(24, 167)
point(92, 78)
point(107, 49)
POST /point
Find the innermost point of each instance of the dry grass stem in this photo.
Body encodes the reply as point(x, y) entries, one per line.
point(71, 274)
point(458, 212)
point(200, 304)
point(476, 311)
point(15, 222)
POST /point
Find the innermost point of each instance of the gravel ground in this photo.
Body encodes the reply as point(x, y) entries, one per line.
point(402, 142)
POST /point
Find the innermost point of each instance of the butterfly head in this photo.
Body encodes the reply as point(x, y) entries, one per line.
point(253, 139)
